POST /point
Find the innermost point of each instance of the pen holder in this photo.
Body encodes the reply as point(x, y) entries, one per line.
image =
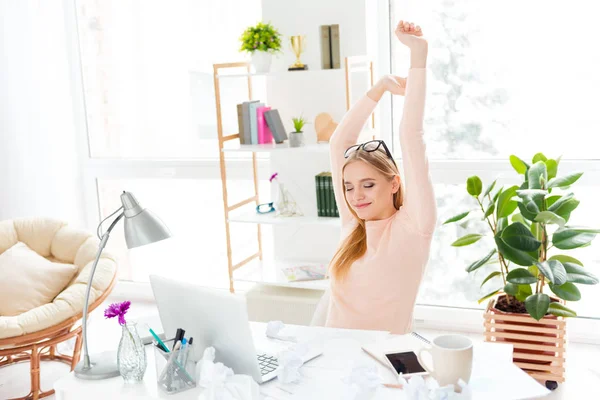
point(175, 370)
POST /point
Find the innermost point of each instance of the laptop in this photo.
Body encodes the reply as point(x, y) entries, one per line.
point(215, 318)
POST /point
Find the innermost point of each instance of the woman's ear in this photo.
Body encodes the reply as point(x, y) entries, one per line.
point(395, 184)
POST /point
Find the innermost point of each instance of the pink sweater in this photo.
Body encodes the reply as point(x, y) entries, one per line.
point(381, 288)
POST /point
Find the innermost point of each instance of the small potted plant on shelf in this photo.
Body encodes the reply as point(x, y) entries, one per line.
point(529, 230)
point(261, 41)
point(297, 136)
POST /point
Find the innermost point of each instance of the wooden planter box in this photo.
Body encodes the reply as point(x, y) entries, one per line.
point(539, 346)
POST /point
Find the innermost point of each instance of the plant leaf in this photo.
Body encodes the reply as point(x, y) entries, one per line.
point(558, 272)
point(537, 305)
point(487, 296)
point(467, 240)
point(519, 165)
point(552, 168)
point(538, 157)
point(502, 223)
point(545, 269)
point(564, 206)
point(489, 211)
point(477, 264)
point(532, 204)
point(567, 291)
point(564, 181)
point(521, 276)
point(489, 189)
point(474, 185)
point(519, 218)
point(524, 292)
point(561, 310)
point(457, 217)
point(550, 200)
point(498, 193)
point(548, 217)
point(517, 256)
point(566, 259)
point(536, 174)
point(511, 288)
point(490, 276)
point(517, 236)
point(566, 239)
point(506, 205)
point(578, 274)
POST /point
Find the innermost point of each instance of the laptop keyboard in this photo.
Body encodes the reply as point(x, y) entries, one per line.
point(267, 363)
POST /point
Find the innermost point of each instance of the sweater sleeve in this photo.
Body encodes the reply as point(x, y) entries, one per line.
point(419, 199)
point(346, 135)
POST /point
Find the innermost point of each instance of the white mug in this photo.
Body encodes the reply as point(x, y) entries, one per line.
point(452, 357)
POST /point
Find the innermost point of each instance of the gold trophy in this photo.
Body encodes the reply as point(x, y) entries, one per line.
point(298, 45)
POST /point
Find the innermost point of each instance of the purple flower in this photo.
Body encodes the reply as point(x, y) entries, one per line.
point(118, 309)
point(273, 177)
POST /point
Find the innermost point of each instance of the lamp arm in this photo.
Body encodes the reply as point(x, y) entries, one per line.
point(103, 240)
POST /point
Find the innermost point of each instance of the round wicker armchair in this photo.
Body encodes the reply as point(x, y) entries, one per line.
point(33, 335)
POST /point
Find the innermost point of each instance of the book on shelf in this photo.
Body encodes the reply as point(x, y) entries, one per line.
point(275, 125)
point(252, 107)
point(325, 47)
point(264, 133)
point(334, 34)
point(240, 115)
point(326, 205)
point(245, 135)
point(330, 47)
point(305, 272)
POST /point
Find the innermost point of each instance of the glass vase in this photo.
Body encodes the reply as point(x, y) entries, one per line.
point(131, 356)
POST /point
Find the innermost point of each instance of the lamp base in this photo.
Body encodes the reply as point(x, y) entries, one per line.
point(103, 366)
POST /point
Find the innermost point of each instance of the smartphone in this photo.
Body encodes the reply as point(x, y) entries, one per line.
point(405, 363)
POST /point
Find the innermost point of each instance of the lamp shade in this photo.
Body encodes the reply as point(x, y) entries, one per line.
point(141, 225)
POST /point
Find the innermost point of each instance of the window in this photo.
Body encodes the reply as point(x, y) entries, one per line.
point(147, 72)
point(502, 82)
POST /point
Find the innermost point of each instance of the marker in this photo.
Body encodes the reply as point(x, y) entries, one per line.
point(158, 340)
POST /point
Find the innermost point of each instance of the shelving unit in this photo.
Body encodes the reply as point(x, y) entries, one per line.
point(269, 272)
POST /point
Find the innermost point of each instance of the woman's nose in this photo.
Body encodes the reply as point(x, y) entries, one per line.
point(359, 194)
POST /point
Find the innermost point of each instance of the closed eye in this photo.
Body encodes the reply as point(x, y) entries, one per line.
point(369, 185)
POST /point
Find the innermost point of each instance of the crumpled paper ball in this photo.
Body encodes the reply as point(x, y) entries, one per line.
point(362, 382)
point(290, 362)
point(417, 388)
point(220, 383)
point(273, 331)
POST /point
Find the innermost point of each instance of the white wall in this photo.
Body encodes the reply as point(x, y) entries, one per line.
point(39, 154)
point(315, 91)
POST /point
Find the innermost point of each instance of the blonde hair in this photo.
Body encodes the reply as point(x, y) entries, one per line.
point(355, 244)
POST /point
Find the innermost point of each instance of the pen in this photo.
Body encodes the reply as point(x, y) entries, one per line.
point(187, 352)
point(182, 351)
point(160, 342)
point(179, 335)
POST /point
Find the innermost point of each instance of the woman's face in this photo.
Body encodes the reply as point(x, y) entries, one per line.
point(368, 191)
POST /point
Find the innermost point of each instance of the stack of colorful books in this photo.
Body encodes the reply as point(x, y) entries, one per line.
point(259, 124)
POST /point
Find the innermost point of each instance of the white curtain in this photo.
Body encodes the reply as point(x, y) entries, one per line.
point(39, 152)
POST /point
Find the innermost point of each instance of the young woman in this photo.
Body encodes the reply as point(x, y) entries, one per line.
point(387, 225)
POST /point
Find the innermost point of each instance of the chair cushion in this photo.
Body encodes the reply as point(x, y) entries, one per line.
point(28, 280)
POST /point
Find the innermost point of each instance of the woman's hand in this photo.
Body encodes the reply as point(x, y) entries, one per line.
point(411, 36)
point(389, 83)
point(394, 84)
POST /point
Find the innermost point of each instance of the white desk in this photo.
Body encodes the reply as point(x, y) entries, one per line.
point(322, 376)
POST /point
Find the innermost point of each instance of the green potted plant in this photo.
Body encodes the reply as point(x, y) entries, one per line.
point(297, 136)
point(529, 232)
point(261, 41)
